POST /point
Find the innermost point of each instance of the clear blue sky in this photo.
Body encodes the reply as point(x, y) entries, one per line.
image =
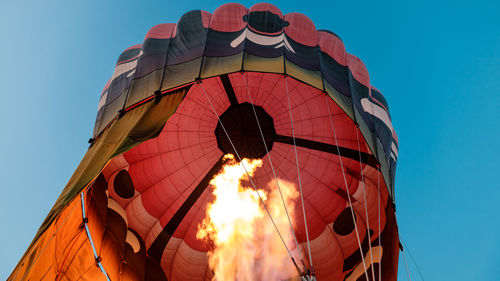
point(437, 63)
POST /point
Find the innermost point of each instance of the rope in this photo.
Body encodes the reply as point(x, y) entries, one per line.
point(250, 179)
point(406, 265)
point(366, 204)
point(379, 231)
point(347, 188)
point(97, 258)
point(272, 166)
point(414, 261)
point(298, 172)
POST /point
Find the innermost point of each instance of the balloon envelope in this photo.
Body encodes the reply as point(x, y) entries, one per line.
point(251, 82)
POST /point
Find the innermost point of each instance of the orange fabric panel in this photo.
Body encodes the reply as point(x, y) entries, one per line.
point(55, 250)
point(64, 251)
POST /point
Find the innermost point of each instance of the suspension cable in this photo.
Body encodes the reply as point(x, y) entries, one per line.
point(91, 241)
point(406, 264)
point(272, 167)
point(346, 187)
point(413, 259)
point(249, 177)
point(379, 231)
point(366, 204)
point(298, 173)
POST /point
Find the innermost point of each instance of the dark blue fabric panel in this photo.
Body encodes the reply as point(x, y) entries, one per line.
point(118, 86)
point(189, 41)
point(219, 44)
point(153, 57)
point(336, 74)
point(304, 56)
point(128, 54)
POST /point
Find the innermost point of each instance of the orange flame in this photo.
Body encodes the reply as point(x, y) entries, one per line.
point(246, 244)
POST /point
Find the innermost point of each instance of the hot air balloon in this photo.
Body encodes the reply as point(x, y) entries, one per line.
point(250, 82)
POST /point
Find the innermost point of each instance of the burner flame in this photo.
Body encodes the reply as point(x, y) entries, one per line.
point(246, 244)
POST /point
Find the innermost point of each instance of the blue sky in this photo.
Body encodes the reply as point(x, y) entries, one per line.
point(437, 63)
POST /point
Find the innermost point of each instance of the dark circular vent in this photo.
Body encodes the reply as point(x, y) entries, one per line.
point(243, 130)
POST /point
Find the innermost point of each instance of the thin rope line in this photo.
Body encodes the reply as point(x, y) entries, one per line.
point(379, 231)
point(366, 204)
point(298, 172)
point(413, 259)
point(272, 167)
point(250, 179)
point(347, 188)
point(406, 265)
point(87, 230)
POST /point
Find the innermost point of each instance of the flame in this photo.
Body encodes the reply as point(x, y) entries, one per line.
point(246, 245)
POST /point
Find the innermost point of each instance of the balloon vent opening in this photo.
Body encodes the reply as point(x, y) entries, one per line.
point(242, 128)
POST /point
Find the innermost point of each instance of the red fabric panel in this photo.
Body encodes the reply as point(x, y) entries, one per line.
point(333, 46)
point(169, 167)
point(160, 31)
point(301, 29)
point(229, 18)
point(116, 164)
point(205, 18)
point(166, 169)
point(187, 230)
point(136, 46)
point(139, 219)
point(327, 256)
point(358, 70)
point(262, 7)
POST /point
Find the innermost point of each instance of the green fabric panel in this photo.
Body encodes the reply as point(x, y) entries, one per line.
point(213, 66)
point(259, 64)
point(180, 74)
point(344, 102)
point(366, 133)
point(372, 144)
point(144, 87)
point(312, 78)
point(111, 110)
point(384, 167)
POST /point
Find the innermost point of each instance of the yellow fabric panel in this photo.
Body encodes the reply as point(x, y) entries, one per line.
point(180, 74)
point(254, 63)
point(310, 77)
point(144, 87)
point(213, 66)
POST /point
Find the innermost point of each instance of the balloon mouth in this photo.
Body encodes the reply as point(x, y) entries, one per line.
point(246, 131)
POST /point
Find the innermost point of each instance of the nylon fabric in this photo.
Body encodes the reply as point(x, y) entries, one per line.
point(156, 146)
